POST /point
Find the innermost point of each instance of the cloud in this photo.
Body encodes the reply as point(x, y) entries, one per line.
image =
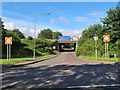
point(82, 19)
point(52, 20)
point(20, 23)
point(17, 14)
point(26, 31)
point(72, 32)
point(29, 32)
point(94, 14)
point(63, 19)
point(8, 25)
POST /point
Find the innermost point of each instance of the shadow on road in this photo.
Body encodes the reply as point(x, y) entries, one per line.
point(60, 76)
point(67, 50)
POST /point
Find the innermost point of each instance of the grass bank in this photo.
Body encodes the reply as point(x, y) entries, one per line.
point(101, 59)
point(16, 60)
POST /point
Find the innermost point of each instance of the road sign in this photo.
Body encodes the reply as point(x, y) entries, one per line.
point(8, 40)
point(95, 38)
point(106, 38)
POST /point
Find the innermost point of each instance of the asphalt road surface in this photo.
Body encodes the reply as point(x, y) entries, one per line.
point(61, 72)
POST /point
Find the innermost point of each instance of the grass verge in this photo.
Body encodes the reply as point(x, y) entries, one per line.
point(101, 59)
point(15, 60)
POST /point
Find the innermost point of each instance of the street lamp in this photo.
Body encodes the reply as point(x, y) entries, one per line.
point(34, 31)
point(95, 38)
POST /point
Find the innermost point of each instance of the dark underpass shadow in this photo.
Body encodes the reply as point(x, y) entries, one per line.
point(67, 50)
point(60, 76)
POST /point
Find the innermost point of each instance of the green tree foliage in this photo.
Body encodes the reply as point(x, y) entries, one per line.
point(111, 26)
point(16, 45)
point(112, 23)
point(43, 45)
point(68, 45)
point(30, 38)
point(92, 30)
point(18, 33)
point(49, 34)
point(56, 34)
point(46, 33)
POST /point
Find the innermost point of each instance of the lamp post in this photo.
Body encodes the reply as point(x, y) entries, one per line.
point(34, 31)
point(95, 38)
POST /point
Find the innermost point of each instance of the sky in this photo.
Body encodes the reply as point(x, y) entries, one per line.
point(69, 18)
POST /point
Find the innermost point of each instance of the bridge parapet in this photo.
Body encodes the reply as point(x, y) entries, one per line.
point(67, 41)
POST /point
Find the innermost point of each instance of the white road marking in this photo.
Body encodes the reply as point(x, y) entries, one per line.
point(112, 85)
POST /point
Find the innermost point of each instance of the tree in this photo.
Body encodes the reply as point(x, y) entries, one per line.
point(30, 38)
point(46, 33)
point(112, 23)
point(92, 30)
point(18, 33)
point(56, 34)
point(111, 26)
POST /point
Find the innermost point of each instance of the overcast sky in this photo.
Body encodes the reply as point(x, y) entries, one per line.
point(70, 18)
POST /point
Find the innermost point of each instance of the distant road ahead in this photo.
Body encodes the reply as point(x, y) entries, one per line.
point(61, 72)
point(69, 58)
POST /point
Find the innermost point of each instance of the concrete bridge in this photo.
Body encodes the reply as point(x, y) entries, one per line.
point(57, 44)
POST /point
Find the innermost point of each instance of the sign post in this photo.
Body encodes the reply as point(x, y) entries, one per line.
point(105, 50)
point(7, 52)
point(8, 41)
point(106, 39)
point(95, 38)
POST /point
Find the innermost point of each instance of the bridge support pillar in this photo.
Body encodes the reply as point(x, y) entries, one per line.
point(76, 46)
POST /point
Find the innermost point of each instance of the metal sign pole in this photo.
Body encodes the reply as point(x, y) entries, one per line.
point(96, 48)
point(95, 38)
point(105, 50)
point(10, 52)
point(7, 52)
point(106, 39)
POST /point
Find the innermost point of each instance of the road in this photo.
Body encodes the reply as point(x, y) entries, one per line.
point(61, 72)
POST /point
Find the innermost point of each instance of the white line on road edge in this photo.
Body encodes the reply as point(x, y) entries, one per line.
point(112, 85)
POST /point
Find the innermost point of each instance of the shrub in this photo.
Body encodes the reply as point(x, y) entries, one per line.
point(30, 38)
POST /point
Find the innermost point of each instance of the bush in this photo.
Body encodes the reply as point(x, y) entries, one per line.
point(30, 38)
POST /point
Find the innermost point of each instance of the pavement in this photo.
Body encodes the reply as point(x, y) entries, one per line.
point(65, 70)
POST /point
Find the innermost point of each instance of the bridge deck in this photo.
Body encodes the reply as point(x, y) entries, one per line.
point(67, 41)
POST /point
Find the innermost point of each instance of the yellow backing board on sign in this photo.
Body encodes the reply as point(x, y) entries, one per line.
point(8, 40)
point(106, 38)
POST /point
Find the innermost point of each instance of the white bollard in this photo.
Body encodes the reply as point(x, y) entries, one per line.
point(114, 55)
